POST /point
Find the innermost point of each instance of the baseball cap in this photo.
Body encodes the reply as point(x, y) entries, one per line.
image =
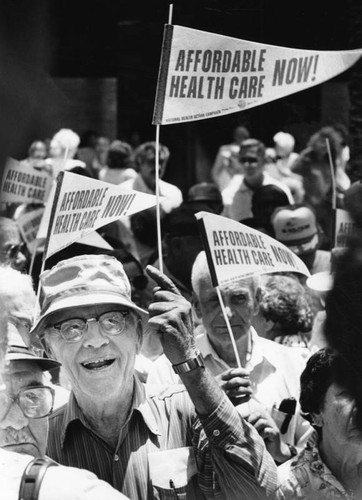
point(296, 227)
point(18, 350)
point(84, 280)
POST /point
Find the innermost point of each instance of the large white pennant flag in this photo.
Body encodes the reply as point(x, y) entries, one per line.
point(235, 251)
point(204, 75)
point(82, 205)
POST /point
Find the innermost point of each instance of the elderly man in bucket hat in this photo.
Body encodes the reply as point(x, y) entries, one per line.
point(147, 445)
point(25, 403)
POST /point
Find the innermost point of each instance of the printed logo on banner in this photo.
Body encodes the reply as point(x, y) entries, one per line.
point(345, 228)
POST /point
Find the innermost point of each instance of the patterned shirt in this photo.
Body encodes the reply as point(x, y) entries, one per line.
point(165, 451)
point(306, 477)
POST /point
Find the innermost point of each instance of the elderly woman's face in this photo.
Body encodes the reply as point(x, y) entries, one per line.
point(338, 417)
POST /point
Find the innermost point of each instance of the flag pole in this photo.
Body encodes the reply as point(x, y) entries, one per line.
point(33, 256)
point(157, 177)
point(158, 214)
point(228, 327)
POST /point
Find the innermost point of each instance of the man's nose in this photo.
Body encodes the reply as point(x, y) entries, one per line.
point(228, 310)
point(14, 418)
point(93, 336)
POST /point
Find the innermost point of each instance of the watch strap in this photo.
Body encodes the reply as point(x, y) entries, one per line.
point(32, 478)
point(190, 364)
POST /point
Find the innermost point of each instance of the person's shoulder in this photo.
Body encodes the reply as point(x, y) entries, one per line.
point(233, 186)
point(281, 355)
point(129, 183)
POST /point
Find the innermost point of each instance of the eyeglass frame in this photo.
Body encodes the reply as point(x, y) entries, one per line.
point(57, 326)
point(13, 250)
point(16, 399)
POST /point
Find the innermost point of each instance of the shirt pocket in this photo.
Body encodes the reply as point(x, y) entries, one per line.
point(279, 418)
point(171, 473)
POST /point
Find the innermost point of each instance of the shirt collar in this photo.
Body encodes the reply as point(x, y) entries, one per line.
point(139, 404)
point(257, 351)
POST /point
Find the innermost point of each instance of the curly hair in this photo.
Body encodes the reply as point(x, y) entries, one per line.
point(285, 301)
point(324, 368)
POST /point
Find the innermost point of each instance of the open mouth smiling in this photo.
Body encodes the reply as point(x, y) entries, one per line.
point(98, 364)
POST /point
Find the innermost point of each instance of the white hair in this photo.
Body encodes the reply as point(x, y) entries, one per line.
point(12, 282)
point(66, 138)
point(285, 141)
point(200, 273)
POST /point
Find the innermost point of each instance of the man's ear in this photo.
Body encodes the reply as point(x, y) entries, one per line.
point(257, 299)
point(196, 305)
point(47, 348)
point(317, 419)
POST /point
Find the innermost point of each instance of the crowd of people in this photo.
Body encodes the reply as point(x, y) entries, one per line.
point(119, 380)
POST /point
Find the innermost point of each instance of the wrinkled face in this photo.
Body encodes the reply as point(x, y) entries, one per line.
point(20, 308)
point(17, 432)
point(252, 162)
point(337, 418)
point(241, 304)
point(12, 250)
point(148, 169)
point(99, 364)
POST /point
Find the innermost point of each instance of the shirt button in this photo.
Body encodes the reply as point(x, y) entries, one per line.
point(216, 432)
point(116, 458)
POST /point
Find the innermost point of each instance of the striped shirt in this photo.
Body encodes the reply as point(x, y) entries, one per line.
point(218, 456)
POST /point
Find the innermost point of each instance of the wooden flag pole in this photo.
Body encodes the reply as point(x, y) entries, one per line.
point(157, 177)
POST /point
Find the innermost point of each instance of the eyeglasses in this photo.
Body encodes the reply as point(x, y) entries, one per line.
point(110, 323)
point(35, 401)
point(13, 250)
point(248, 159)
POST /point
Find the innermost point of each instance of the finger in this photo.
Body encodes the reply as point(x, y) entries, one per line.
point(239, 392)
point(162, 280)
point(235, 372)
point(236, 382)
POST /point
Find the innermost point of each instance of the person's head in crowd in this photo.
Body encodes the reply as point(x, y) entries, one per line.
point(296, 227)
point(206, 194)
point(18, 297)
point(182, 241)
point(37, 150)
point(90, 324)
point(317, 145)
point(145, 162)
point(27, 401)
point(13, 250)
point(144, 227)
point(65, 140)
point(283, 144)
point(240, 134)
point(119, 155)
point(284, 307)
point(327, 400)
point(241, 299)
point(352, 202)
point(252, 159)
point(344, 311)
point(264, 201)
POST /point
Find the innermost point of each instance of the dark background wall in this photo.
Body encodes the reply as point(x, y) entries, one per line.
point(93, 64)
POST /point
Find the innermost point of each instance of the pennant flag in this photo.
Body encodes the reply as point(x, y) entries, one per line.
point(345, 227)
point(24, 183)
point(82, 204)
point(235, 251)
point(94, 239)
point(28, 225)
point(203, 75)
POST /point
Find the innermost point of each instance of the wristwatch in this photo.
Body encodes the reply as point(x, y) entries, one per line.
point(190, 364)
point(32, 478)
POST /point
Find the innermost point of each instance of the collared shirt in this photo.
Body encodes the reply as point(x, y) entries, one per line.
point(172, 194)
point(142, 467)
point(307, 477)
point(237, 196)
point(274, 375)
point(59, 483)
